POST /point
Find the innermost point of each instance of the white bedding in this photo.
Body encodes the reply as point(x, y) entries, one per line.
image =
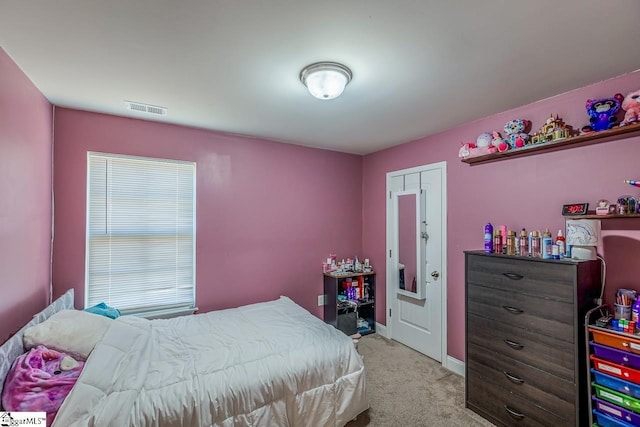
point(266, 364)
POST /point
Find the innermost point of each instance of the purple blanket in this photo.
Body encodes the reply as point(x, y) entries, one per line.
point(39, 380)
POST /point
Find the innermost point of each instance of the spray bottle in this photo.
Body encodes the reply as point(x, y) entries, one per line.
point(560, 242)
point(488, 238)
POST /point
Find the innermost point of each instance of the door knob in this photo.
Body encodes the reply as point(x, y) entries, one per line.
point(435, 274)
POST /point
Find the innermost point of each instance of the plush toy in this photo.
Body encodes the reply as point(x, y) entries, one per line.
point(602, 112)
point(469, 149)
point(499, 143)
point(465, 150)
point(483, 140)
point(515, 131)
point(631, 105)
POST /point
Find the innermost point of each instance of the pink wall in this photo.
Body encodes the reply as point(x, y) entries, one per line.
point(25, 198)
point(267, 215)
point(522, 192)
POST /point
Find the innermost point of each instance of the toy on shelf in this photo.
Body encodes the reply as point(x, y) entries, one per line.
point(469, 149)
point(602, 113)
point(604, 207)
point(631, 105)
point(481, 147)
point(515, 131)
point(465, 149)
point(497, 141)
point(554, 129)
point(483, 140)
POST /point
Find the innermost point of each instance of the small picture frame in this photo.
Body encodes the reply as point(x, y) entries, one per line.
point(575, 209)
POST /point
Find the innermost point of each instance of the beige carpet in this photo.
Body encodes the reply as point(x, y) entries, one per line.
point(409, 389)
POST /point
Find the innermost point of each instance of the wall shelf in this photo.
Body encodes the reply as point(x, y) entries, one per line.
point(575, 141)
point(609, 216)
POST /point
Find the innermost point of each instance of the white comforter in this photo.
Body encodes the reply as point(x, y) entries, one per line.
point(266, 364)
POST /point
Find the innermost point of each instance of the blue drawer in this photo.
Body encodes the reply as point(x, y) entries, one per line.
point(607, 421)
point(617, 384)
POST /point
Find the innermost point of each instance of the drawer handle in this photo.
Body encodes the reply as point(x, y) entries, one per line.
point(513, 344)
point(512, 310)
point(514, 414)
point(513, 379)
point(513, 276)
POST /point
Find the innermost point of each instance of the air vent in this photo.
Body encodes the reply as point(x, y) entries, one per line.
point(146, 108)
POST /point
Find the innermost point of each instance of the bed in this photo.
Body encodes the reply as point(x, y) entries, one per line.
point(265, 364)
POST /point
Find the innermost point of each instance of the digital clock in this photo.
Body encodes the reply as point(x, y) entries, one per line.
point(575, 209)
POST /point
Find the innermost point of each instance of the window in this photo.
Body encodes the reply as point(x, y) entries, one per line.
point(140, 253)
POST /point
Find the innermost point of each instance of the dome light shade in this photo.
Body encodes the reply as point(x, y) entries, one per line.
point(325, 80)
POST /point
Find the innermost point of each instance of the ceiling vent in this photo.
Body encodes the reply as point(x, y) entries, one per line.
point(146, 108)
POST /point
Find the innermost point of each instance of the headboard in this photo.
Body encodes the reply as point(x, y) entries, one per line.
point(13, 348)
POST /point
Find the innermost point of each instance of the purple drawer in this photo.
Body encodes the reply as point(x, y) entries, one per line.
point(617, 356)
point(617, 412)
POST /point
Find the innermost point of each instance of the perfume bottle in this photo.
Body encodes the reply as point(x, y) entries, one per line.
point(497, 242)
point(524, 243)
point(511, 243)
point(547, 243)
point(535, 244)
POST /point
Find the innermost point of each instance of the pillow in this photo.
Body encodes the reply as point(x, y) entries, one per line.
point(71, 331)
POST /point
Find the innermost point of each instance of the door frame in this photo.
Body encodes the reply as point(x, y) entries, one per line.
point(442, 167)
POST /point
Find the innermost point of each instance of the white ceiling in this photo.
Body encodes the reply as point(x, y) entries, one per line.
point(420, 67)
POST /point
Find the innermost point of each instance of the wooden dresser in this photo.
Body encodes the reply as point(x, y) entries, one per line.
point(525, 338)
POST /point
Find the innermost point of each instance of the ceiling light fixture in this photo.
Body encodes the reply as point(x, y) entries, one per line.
point(325, 80)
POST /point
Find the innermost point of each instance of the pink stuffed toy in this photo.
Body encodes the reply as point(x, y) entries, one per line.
point(631, 104)
point(39, 381)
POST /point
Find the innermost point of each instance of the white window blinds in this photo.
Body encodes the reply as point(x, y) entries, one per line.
point(140, 253)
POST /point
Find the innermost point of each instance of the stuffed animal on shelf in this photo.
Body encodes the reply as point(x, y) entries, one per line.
point(602, 113)
point(469, 149)
point(483, 140)
point(499, 143)
point(465, 150)
point(631, 104)
point(515, 131)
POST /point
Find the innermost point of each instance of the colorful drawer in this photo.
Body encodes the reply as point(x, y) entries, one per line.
point(618, 356)
point(615, 369)
point(616, 397)
point(617, 412)
point(607, 421)
point(616, 340)
point(616, 384)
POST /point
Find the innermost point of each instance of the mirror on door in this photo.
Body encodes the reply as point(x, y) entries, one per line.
point(408, 242)
point(407, 232)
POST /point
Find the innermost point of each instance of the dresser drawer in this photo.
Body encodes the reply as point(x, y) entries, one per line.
point(549, 317)
point(543, 389)
point(542, 279)
point(509, 408)
point(543, 352)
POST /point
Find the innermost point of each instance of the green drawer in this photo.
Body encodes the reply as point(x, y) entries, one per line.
point(619, 399)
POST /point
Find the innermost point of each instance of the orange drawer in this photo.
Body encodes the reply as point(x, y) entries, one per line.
point(614, 340)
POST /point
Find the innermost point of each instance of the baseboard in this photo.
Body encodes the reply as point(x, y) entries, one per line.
point(454, 365)
point(381, 329)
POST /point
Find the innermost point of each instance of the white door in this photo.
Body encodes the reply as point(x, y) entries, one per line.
point(417, 320)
